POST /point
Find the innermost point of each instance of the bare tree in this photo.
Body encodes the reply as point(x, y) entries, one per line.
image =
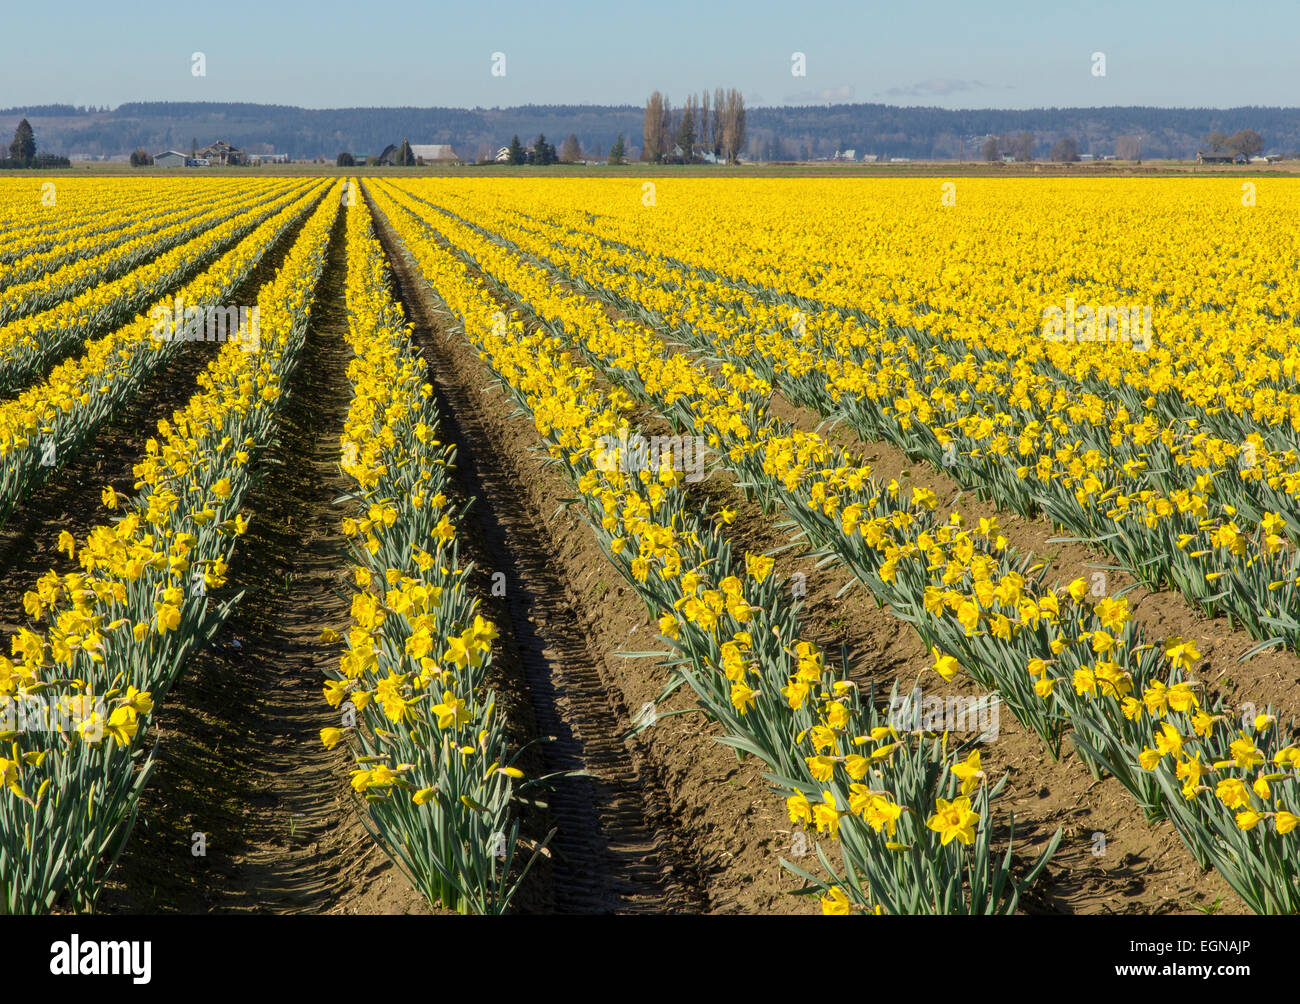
point(719, 110)
point(666, 130)
point(704, 126)
point(1065, 150)
point(652, 134)
point(991, 150)
point(1128, 148)
point(571, 150)
point(1024, 146)
point(1246, 142)
point(733, 125)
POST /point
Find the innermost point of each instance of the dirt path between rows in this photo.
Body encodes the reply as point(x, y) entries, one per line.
point(240, 759)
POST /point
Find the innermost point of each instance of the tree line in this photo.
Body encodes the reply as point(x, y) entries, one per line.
point(1021, 148)
point(543, 154)
point(686, 134)
point(1243, 142)
point(791, 131)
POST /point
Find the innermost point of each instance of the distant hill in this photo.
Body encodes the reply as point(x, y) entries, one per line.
point(792, 132)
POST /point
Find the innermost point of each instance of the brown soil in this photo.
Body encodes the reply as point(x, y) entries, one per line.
point(239, 753)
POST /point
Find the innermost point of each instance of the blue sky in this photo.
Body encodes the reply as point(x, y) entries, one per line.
point(950, 53)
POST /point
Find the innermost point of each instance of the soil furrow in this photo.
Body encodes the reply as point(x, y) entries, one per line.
point(240, 759)
point(614, 850)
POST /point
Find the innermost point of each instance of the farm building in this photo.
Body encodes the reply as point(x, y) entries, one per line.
point(1219, 157)
point(434, 153)
point(221, 153)
point(170, 158)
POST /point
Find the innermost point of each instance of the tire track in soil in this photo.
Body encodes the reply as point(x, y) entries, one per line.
point(240, 758)
point(616, 849)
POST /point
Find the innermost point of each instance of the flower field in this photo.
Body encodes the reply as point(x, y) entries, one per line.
point(624, 545)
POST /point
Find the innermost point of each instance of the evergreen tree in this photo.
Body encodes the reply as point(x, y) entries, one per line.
point(517, 154)
point(618, 151)
point(23, 148)
point(543, 152)
point(686, 131)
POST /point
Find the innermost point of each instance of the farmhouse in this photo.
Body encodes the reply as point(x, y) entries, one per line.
point(221, 153)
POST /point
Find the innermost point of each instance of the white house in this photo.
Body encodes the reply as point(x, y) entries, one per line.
point(171, 158)
point(503, 155)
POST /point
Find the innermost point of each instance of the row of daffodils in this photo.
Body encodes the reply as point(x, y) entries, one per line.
point(47, 423)
point(434, 768)
point(113, 227)
point(1203, 499)
point(111, 637)
point(28, 344)
point(68, 216)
